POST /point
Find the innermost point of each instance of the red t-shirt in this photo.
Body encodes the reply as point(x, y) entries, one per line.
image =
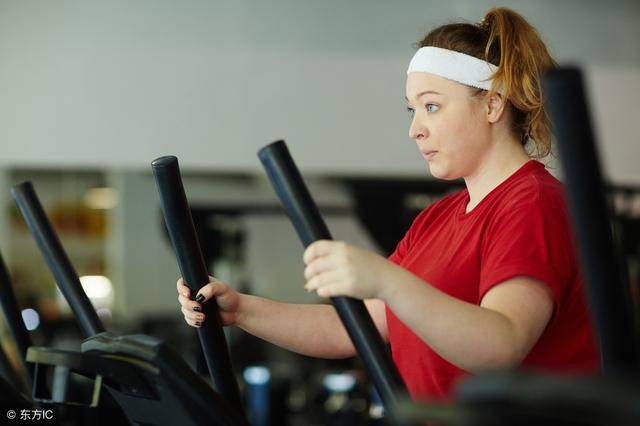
point(520, 228)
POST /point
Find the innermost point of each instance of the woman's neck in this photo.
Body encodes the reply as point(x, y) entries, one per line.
point(496, 167)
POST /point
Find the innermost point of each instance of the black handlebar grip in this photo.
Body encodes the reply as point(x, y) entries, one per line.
point(310, 226)
point(14, 319)
point(56, 258)
point(182, 233)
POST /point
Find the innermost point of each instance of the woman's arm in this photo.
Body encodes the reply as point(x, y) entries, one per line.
point(497, 334)
point(309, 329)
point(312, 330)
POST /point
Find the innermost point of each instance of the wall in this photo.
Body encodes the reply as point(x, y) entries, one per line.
point(118, 83)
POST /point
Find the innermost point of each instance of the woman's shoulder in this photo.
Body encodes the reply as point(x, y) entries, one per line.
point(538, 187)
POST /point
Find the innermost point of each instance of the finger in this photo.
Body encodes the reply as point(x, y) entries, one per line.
point(214, 288)
point(193, 323)
point(320, 248)
point(189, 304)
point(323, 280)
point(193, 316)
point(333, 290)
point(182, 288)
point(319, 266)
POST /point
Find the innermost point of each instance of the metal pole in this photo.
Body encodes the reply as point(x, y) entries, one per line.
point(14, 319)
point(56, 258)
point(177, 216)
point(306, 219)
point(607, 295)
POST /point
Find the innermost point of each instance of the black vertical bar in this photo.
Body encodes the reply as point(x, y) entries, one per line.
point(607, 295)
point(179, 221)
point(10, 375)
point(56, 258)
point(306, 219)
point(13, 318)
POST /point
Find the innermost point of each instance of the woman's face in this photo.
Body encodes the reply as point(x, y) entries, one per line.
point(449, 125)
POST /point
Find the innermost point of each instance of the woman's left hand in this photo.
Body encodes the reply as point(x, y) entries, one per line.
point(335, 268)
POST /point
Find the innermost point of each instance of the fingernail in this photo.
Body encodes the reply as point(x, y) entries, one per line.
point(198, 324)
point(197, 308)
point(199, 298)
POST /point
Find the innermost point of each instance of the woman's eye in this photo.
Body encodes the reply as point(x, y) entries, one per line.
point(432, 107)
point(411, 111)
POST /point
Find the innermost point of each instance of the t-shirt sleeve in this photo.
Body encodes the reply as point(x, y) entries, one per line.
point(528, 241)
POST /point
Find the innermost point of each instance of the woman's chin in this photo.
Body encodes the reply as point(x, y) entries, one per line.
point(441, 172)
point(437, 172)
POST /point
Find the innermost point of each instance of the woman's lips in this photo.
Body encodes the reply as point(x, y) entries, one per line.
point(428, 155)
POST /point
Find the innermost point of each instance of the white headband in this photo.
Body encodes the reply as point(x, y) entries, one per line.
point(453, 65)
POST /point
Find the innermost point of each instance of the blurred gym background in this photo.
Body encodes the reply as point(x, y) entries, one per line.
point(92, 91)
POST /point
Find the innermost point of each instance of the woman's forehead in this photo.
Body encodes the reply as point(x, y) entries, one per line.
point(419, 83)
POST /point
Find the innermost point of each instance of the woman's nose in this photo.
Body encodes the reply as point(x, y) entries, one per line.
point(417, 130)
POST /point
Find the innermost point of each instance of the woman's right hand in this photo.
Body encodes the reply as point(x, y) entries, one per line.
point(227, 298)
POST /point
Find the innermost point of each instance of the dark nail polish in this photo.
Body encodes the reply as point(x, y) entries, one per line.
point(197, 309)
point(199, 298)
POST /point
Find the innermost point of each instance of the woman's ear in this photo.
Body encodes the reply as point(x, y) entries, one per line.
point(496, 105)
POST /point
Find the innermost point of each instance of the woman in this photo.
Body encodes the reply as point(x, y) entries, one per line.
point(486, 278)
